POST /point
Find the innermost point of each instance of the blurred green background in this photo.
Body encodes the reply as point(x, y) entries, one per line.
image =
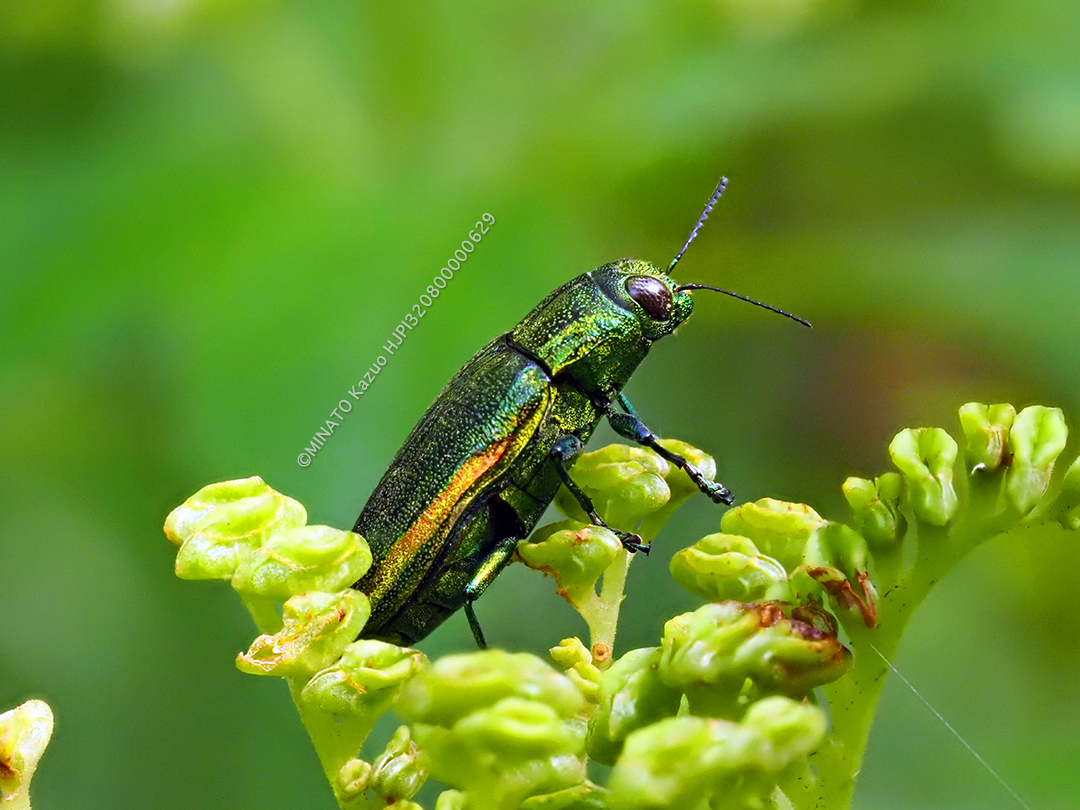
point(212, 215)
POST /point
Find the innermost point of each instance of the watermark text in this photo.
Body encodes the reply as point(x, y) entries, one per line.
point(397, 337)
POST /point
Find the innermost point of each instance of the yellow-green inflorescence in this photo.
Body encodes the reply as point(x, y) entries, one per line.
point(725, 711)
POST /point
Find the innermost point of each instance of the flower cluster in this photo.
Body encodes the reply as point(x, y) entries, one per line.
point(725, 711)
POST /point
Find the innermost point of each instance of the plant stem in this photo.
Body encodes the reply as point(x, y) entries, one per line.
point(336, 741)
point(603, 620)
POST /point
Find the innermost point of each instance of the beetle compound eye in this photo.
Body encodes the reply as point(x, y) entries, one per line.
point(652, 295)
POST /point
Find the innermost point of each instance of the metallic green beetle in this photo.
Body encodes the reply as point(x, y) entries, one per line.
point(486, 459)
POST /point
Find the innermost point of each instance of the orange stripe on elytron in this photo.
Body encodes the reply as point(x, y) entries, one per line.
point(429, 521)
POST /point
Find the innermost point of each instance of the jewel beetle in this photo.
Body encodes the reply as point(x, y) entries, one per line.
point(487, 457)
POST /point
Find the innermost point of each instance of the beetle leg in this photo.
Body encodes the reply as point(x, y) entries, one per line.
point(491, 568)
point(567, 449)
point(474, 625)
point(631, 427)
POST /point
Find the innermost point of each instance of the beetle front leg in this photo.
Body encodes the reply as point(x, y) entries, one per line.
point(631, 427)
point(567, 449)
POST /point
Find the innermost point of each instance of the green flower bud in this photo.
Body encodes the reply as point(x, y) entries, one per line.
point(502, 754)
point(500, 726)
point(341, 704)
point(365, 681)
point(876, 506)
point(698, 763)
point(575, 554)
point(793, 729)
point(719, 646)
point(925, 458)
point(585, 796)
point(836, 558)
point(353, 779)
point(719, 567)
point(778, 528)
point(307, 558)
point(317, 627)
point(680, 484)
point(667, 764)
point(575, 659)
point(519, 728)
point(401, 769)
point(222, 523)
point(1036, 440)
point(634, 696)
point(450, 800)
point(457, 685)
point(24, 733)
point(986, 433)
point(624, 483)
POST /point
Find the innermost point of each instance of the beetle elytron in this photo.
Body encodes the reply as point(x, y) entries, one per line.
point(485, 460)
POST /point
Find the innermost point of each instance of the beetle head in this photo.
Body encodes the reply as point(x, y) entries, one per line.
point(598, 327)
point(647, 293)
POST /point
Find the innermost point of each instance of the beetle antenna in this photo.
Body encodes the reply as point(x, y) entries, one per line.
point(701, 221)
point(743, 298)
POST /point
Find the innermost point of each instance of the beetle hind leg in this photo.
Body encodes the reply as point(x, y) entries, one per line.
point(491, 568)
point(567, 449)
point(474, 625)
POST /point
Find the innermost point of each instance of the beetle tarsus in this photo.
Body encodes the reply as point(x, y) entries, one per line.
point(719, 493)
point(633, 543)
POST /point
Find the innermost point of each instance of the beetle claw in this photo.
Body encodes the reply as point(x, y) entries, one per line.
point(634, 544)
point(719, 493)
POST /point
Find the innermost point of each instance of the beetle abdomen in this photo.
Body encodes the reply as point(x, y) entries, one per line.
point(454, 460)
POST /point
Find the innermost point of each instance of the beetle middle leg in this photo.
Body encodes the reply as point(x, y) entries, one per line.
point(631, 427)
point(567, 449)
